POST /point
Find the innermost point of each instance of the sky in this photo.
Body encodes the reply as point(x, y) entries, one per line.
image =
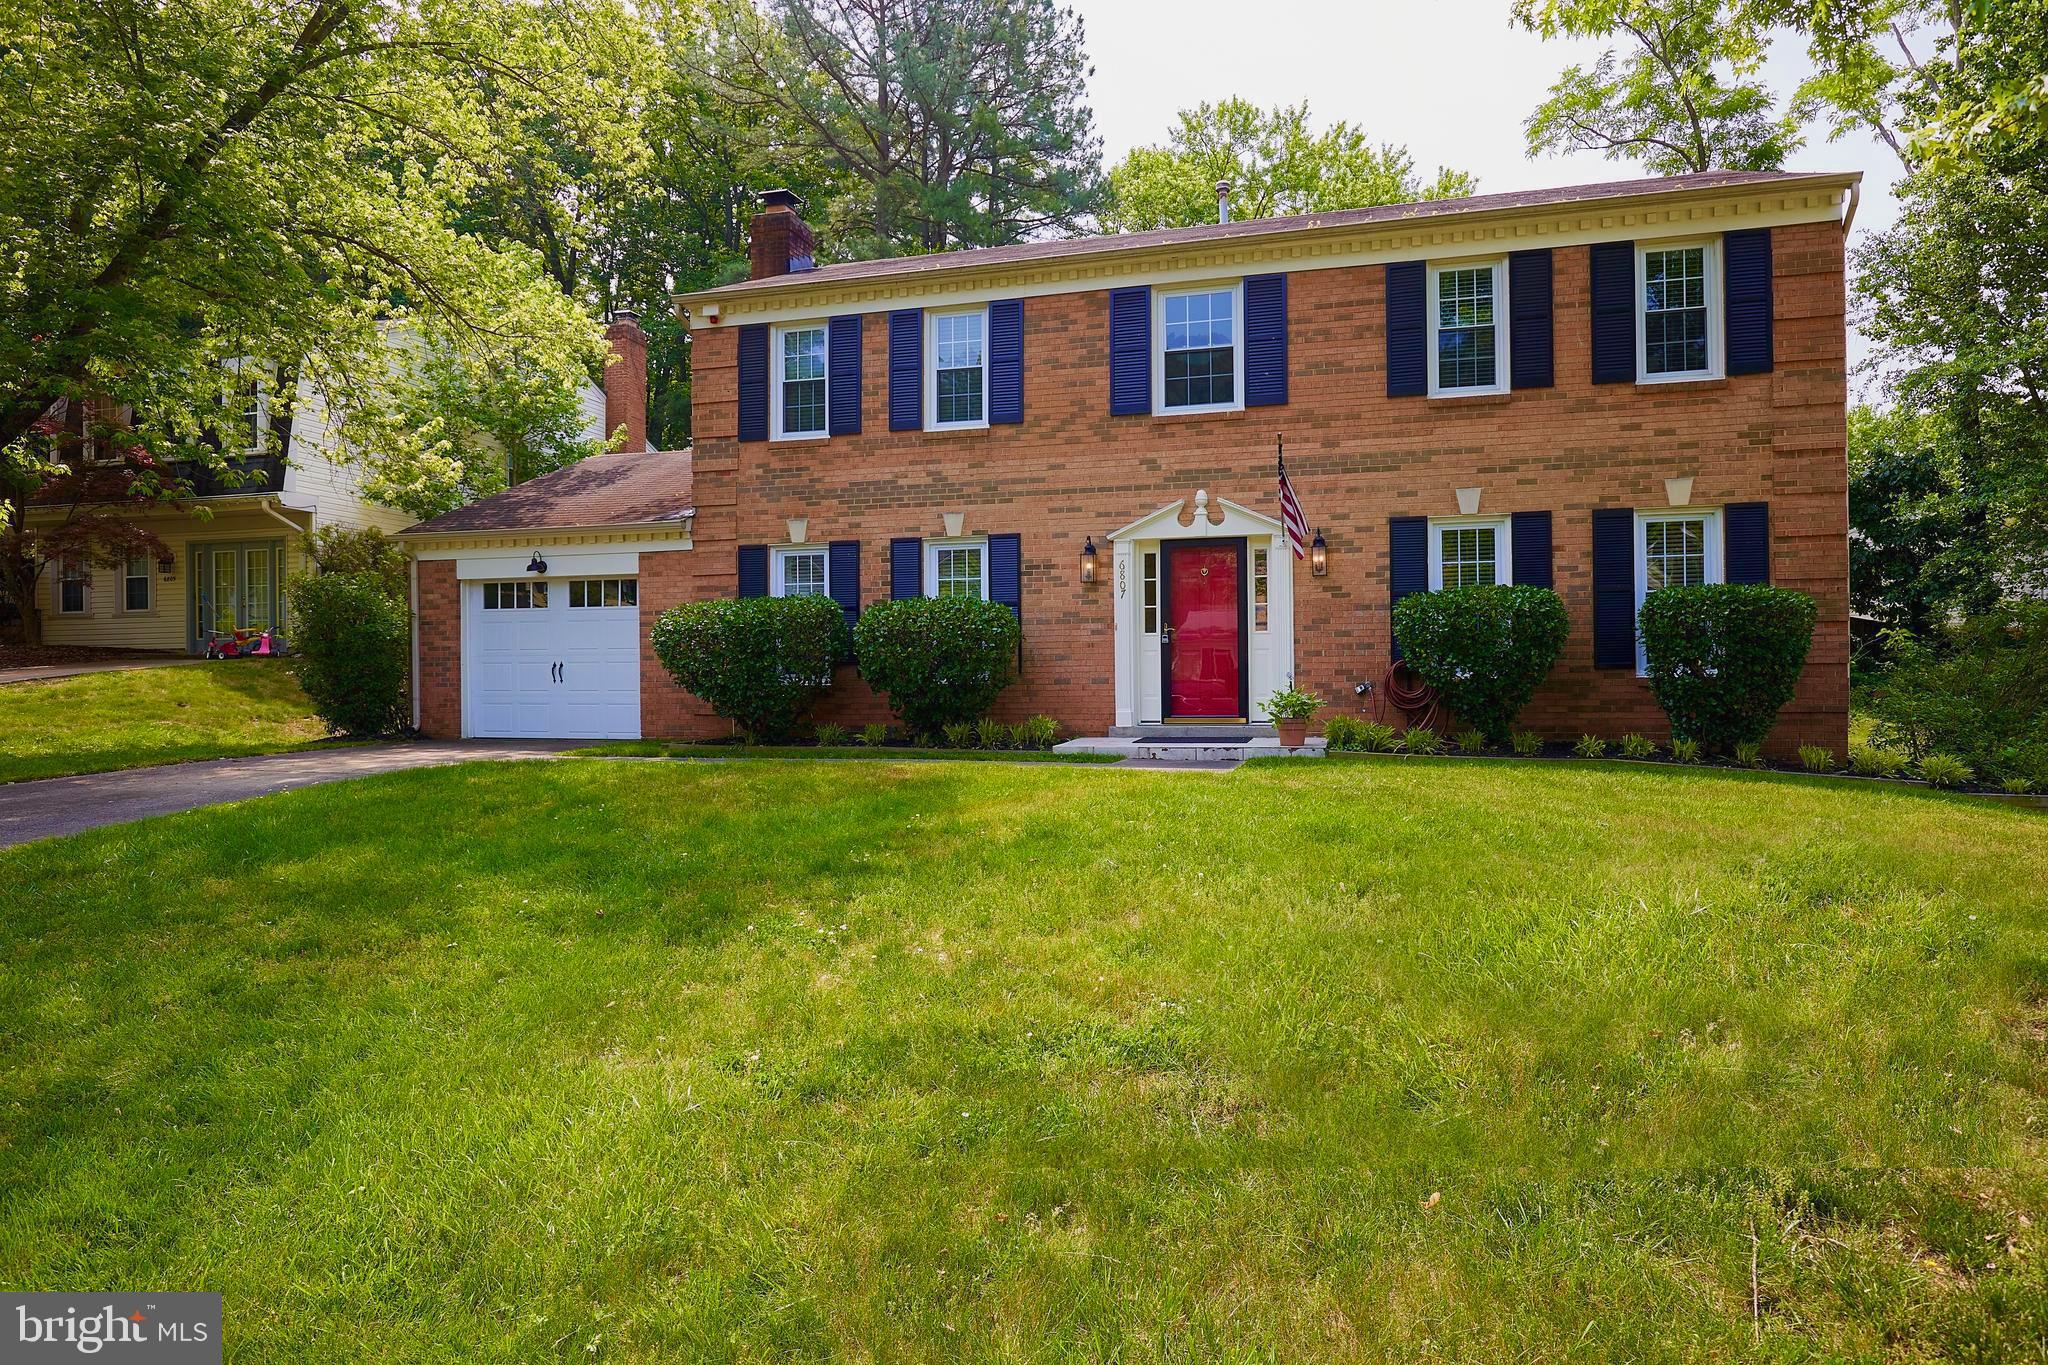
point(1451, 80)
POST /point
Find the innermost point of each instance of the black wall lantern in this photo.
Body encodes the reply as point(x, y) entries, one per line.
point(1088, 561)
point(1319, 555)
point(536, 564)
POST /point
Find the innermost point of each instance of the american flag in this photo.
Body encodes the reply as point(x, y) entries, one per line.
point(1290, 510)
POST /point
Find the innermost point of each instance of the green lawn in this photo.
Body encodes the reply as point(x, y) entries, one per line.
point(936, 1062)
point(137, 717)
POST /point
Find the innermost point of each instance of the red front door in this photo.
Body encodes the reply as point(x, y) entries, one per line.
point(1204, 641)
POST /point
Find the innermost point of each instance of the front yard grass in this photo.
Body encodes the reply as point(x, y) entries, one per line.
point(938, 1062)
point(138, 717)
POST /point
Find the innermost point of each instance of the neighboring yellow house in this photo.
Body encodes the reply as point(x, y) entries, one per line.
point(232, 552)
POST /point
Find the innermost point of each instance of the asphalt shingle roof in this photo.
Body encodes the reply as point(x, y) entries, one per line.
point(629, 488)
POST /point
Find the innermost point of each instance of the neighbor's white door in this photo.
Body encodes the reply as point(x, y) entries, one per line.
point(552, 658)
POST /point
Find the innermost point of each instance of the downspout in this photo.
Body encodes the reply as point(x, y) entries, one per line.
point(1849, 214)
point(269, 506)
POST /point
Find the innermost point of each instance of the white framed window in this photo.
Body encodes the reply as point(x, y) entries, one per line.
point(800, 367)
point(1468, 328)
point(1469, 552)
point(585, 593)
point(1678, 311)
point(74, 587)
point(1680, 547)
point(956, 370)
point(799, 571)
point(247, 398)
point(1197, 358)
point(1261, 580)
point(1149, 583)
point(956, 568)
point(136, 586)
point(521, 594)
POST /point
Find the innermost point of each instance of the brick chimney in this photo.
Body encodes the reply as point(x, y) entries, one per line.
point(779, 242)
point(625, 380)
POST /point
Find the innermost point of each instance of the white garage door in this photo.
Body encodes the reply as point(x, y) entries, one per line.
point(552, 658)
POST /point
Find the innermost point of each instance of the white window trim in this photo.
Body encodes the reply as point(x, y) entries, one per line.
point(1716, 364)
point(1235, 288)
point(775, 336)
point(931, 370)
point(1503, 548)
point(84, 577)
point(148, 576)
point(236, 367)
point(1499, 266)
point(1710, 547)
point(931, 561)
point(779, 554)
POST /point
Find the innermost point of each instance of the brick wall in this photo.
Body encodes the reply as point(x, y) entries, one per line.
point(1357, 458)
point(439, 611)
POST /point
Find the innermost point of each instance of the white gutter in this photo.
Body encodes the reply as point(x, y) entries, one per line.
point(1855, 198)
point(269, 505)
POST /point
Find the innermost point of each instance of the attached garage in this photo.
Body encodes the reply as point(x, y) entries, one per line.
point(530, 618)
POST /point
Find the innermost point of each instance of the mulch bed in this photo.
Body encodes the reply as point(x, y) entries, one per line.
point(60, 656)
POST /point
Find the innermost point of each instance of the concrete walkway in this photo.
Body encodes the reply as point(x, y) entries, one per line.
point(44, 672)
point(56, 806)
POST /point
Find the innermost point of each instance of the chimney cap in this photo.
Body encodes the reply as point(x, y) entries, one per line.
point(1222, 201)
point(625, 315)
point(782, 199)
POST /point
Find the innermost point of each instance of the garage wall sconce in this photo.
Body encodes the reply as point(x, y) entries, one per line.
point(1088, 561)
point(167, 566)
point(1319, 555)
point(536, 564)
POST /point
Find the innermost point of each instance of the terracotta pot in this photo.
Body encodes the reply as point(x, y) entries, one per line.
point(1293, 733)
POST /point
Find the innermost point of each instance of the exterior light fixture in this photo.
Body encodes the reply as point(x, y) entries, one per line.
point(1088, 561)
point(536, 564)
point(1319, 555)
point(167, 566)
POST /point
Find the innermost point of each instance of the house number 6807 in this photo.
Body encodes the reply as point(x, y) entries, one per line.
point(1123, 574)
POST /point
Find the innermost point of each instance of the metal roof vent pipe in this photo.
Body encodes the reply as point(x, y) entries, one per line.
point(1223, 201)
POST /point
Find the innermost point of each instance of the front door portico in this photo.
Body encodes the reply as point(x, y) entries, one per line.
point(1204, 613)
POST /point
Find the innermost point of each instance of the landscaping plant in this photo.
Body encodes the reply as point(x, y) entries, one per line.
point(1724, 657)
point(959, 735)
point(992, 734)
point(1749, 754)
point(1471, 742)
point(1816, 758)
point(830, 736)
point(1870, 760)
point(1526, 743)
point(1422, 740)
point(1291, 704)
point(1633, 745)
point(939, 660)
point(2016, 786)
point(1590, 746)
point(1377, 737)
point(1039, 732)
point(1979, 692)
point(874, 734)
point(1945, 770)
point(757, 661)
point(1341, 733)
point(1484, 649)
point(1685, 751)
point(353, 642)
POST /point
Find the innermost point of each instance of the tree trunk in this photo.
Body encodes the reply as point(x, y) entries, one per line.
point(31, 621)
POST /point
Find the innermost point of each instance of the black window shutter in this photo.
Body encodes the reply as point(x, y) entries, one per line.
point(906, 568)
point(906, 369)
point(1265, 341)
point(1613, 268)
point(1407, 330)
point(1130, 351)
point(1614, 587)
point(842, 558)
point(1407, 565)
point(754, 383)
point(1746, 542)
point(1530, 532)
point(753, 570)
point(843, 375)
point(1006, 362)
point(1746, 291)
point(1529, 327)
point(1006, 572)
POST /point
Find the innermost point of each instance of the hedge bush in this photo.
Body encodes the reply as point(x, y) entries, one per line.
point(1724, 657)
point(757, 661)
point(352, 643)
point(939, 660)
point(1483, 649)
point(1979, 692)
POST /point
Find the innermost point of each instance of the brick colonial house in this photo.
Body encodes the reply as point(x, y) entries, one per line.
point(1601, 388)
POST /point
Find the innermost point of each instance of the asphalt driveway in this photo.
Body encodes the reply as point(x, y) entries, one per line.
point(56, 806)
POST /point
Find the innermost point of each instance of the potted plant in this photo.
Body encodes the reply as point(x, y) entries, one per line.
point(1289, 709)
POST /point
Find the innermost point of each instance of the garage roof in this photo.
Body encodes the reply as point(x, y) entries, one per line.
point(629, 488)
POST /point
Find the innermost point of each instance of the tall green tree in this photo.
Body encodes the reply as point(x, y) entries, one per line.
point(1276, 164)
point(1919, 556)
point(962, 122)
point(1682, 94)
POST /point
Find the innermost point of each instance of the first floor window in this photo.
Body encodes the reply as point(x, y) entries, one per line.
point(1150, 590)
point(800, 573)
point(1465, 554)
point(135, 584)
point(1676, 291)
point(520, 595)
point(800, 380)
point(1465, 321)
point(959, 368)
point(1198, 359)
point(959, 569)
point(1679, 549)
point(604, 592)
point(73, 578)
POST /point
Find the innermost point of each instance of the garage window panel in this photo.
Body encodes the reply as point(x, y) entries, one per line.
point(603, 592)
point(519, 595)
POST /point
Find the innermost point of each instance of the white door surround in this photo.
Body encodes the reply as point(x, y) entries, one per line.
point(1139, 699)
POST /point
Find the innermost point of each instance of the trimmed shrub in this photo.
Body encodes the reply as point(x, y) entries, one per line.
point(939, 660)
point(1724, 657)
point(757, 661)
point(1633, 745)
point(1484, 649)
point(353, 642)
point(830, 736)
point(1816, 758)
point(1527, 743)
point(1590, 746)
point(364, 551)
point(1979, 692)
point(1343, 733)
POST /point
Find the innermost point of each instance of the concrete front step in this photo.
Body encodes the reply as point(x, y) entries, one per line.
point(1156, 750)
point(1222, 734)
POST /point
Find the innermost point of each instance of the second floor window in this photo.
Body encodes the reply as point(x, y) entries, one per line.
point(958, 377)
point(1677, 285)
point(800, 382)
point(1198, 362)
point(800, 573)
point(1465, 328)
